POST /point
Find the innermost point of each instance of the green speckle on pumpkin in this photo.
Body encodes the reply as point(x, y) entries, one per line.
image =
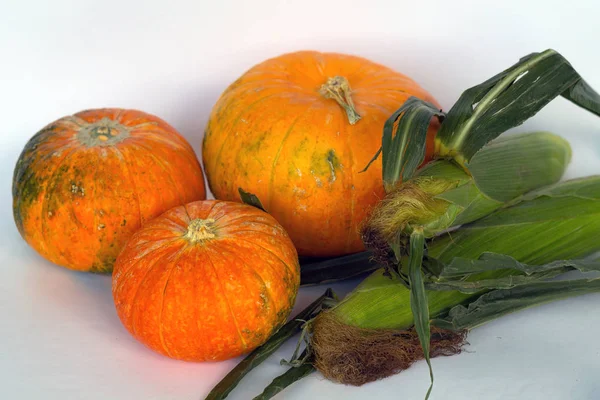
point(301, 148)
point(104, 262)
point(257, 144)
point(325, 165)
point(101, 268)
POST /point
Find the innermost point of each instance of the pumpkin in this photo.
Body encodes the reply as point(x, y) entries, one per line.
point(296, 131)
point(209, 280)
point(86, 182)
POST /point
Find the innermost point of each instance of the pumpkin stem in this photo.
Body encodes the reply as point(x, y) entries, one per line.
point(200, 229)
point(338, 88)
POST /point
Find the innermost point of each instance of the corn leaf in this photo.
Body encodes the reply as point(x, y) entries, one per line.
point(488, 261)
point(584, 96)
point(481, 113)
point(402, 153)
point(284, 380)
point(503, 282)
point(316, 272)
point(250, 199)
point(231, 380)
point(485, 111)
point(418, 296)
point(584, 188)
point(498, 303)
point(549, 225)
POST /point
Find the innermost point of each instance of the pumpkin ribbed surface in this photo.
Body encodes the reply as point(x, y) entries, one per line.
point(206, 281)
point(279, 132)
point(86, 182)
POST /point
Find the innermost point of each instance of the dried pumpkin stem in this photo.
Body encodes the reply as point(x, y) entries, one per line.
point(105, 132)
point(200, 229)
point(338, 88)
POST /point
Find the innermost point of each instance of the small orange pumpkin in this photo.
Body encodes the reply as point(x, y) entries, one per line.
point(86, 182)
point(296, 131)
point(206, 281)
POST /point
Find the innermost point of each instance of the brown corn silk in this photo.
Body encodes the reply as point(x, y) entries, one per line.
point(355, 356)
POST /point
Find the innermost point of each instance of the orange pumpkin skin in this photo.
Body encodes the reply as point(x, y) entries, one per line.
point(209, 280)
point(86, 182)
point(272, 133)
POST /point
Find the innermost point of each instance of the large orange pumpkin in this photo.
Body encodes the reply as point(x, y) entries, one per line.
point(296, 131)
point(206, 281)
point(86, 182)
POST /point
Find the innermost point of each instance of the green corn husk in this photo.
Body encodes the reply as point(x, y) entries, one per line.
point(515, 248)
point(443, 194)
point(480, 115)
point(560, 222)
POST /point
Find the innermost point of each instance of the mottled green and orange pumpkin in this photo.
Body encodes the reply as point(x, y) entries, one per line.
point(206, 281)
point(86, 182)
point(296, 131)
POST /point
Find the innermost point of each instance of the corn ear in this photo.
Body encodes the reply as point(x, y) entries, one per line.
point(555, 223)
point(382, 301)
point(443, 194)
point(560, 222)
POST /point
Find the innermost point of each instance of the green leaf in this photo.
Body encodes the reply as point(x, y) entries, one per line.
point(488, 261)
point(506, 281)
point(583, 188)
point(444, 169)
point(250, 199)
point(584, 96)
point(418, 296)
point(284, 380)
point(508, 99)
point(231, 380)
point(404, 140)
point(551, 225)
point(498, 303)
point(317, 272)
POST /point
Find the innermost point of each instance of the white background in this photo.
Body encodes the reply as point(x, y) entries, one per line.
point(60, 337)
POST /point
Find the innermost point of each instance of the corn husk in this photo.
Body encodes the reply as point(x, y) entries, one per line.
point(378, 313)
point(480, 115)
point(513, 251)
point(443, 194)
point(559, 222)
